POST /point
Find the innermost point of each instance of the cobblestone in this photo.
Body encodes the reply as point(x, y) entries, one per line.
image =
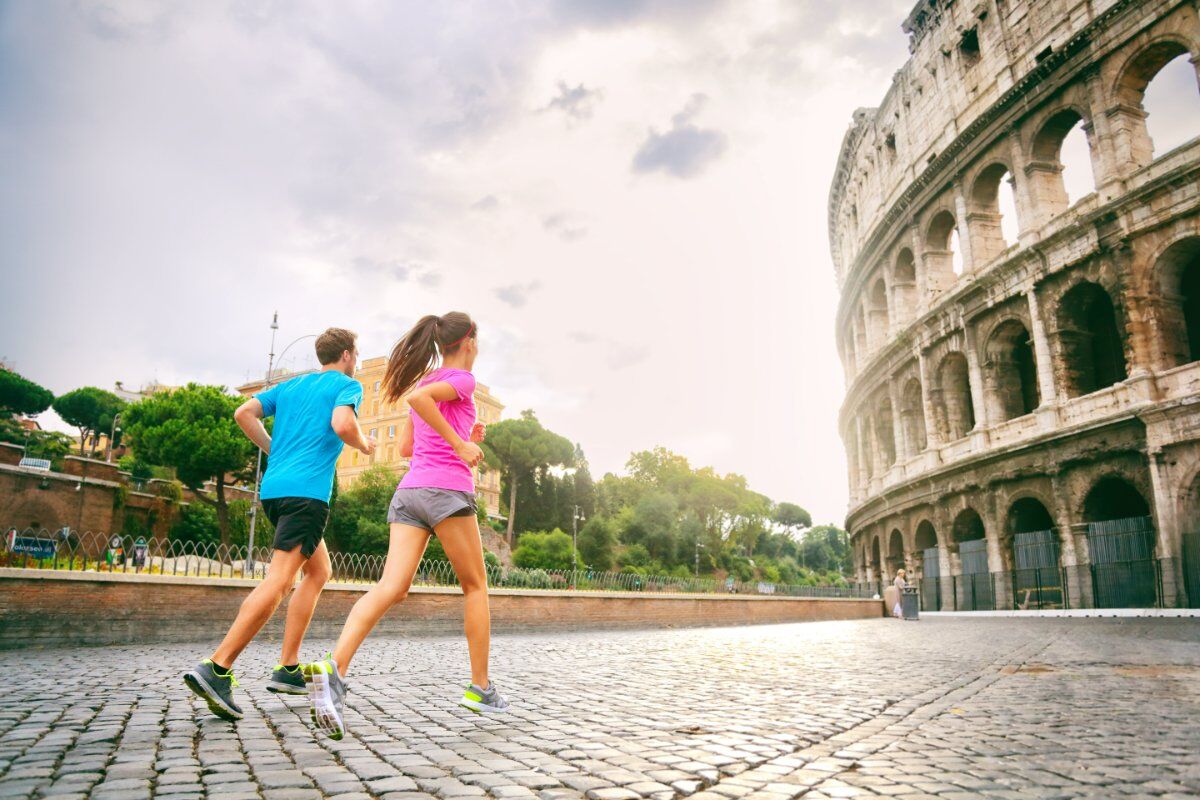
point(946, 708)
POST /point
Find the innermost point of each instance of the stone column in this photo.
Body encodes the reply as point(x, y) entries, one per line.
point(961, 216)
point(904, 449)
point(1107, 166)
point(1041, 350)
point(975, 372)
point(1166, 526)
point(1027, 221)
point(933, 436)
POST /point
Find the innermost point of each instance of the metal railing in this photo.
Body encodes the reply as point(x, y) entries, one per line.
point(99, 552)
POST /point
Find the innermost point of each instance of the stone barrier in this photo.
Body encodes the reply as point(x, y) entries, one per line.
point(44, 608)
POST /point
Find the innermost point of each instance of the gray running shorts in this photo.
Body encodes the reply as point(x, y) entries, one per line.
point(426, 508)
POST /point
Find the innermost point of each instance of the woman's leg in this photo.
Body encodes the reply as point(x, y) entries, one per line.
point(405, 548)
point(460, 539)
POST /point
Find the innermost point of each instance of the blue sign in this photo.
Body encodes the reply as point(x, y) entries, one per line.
point(33, 546)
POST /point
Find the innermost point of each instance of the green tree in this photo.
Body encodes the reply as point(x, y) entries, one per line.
point(358, 514)
point(91, 410)
point(38, 444)
point(196, 524)
point(20, 395)
point(550, 550)
point(791, 516)
point(192, 430)
point(598, 543)
point(520, 448)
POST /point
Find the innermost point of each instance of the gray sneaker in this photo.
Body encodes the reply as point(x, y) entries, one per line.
point(284, 681)
point(327, 694)
point(484, 701)
point(215, 689)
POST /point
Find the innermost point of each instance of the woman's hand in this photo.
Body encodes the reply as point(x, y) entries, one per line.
point(469, 452)
point(478, 432)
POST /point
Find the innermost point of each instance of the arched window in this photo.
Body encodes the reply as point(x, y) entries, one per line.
point(1092, 345)
point(1034, 552)
point(885, 432)
point(1157, 108)
point(943, 262)
point(895, 551)
point(904, 287)
point(1179, 281)
point(912, 415)
point(877, 313)
point(953, 407)
point(992, 220)
point(1060, 170)
point(876, 558)
point(1011, 371)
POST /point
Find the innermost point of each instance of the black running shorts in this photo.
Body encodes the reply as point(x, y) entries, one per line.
point(298, 521)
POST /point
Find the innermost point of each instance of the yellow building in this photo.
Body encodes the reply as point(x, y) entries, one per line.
point(384, 420)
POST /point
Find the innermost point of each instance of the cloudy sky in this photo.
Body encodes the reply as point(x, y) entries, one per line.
point(629, 195)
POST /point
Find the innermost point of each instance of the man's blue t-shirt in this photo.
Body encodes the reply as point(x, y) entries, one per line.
point(304, 448)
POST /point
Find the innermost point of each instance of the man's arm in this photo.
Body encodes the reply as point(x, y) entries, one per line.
point(249, 417)
point(423, 401)
point(345, 425)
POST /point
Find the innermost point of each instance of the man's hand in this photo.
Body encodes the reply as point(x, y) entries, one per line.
point(368, 445)
point(478, 432)
point(470, 453)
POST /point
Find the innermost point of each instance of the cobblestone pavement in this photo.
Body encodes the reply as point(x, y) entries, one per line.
point(1015, 708)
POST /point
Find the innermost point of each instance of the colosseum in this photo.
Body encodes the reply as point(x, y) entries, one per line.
point(1022, 413)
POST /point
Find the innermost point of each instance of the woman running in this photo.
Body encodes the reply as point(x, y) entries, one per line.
point(436, 496)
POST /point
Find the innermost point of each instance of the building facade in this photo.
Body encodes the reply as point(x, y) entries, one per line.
point(384, 420)
point(1022, 418)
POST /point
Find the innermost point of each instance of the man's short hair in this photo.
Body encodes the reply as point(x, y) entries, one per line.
point(332, 343)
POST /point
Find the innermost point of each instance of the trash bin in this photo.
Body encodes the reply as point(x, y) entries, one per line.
point(910, 603)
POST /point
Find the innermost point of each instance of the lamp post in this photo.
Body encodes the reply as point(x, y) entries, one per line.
point(699, 547)
point(574, 543)
point(258, 460)
point(112, 433)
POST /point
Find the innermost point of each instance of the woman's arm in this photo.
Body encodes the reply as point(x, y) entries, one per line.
point(423, 401)
point(406, 438)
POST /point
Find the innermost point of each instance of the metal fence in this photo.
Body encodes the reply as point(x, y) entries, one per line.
point(99, 552)
point(1125, 572)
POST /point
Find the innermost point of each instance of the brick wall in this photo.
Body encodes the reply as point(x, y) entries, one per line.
point(44, 609)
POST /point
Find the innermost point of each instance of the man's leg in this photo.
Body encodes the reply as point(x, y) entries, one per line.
point(259, 605)
point(317, 571)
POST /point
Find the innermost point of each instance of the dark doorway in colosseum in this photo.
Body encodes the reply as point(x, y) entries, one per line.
point(895, 560)
point(1033, 550)
point(1121, 546)
point(1011, 371)
point(876, 560)
point(943, 259)
point(974, 588)
point(1159, 81)
point(953, 406)
point(885, 432)
point(912, 415)
point(877, 313)
point(992, 220)
point(929, 566)
point(1093, 349)
point(1060, 171)
point(1178, 271)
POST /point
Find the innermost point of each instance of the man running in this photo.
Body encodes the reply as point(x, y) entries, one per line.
point(314, 415)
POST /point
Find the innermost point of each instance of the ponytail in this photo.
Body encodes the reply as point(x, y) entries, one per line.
point(418, 351)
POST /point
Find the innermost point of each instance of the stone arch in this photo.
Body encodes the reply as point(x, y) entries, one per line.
point(895, 552)
point(985, 220)
point(942, 262)
point(1178, 272)
point(967, 527)
point(926, 535)
point(885, 431)
point(1044, 172)
point(1032, 550)
point(953, 407)
point(876, 558)
point(1092, 346)
point(1011, 371)
point(877, 312)
point(860, 334)
point(1130, 117)
point(904, 286)
point(912, 417)
point(1114, 497)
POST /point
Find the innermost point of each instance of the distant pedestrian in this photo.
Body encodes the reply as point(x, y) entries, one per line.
point(900, 585)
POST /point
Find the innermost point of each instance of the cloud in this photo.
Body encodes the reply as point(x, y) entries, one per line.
point(561, 225)
point(516, 294)
point(398, 271)
point(486, 203)
point(685, 150)
point(577, 103)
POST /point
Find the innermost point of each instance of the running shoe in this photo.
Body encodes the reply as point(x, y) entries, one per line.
point(285, 681)
point(327, 695)
point(214, 688)
point(484, 701)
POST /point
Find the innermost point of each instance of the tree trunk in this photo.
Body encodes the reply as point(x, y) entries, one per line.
point(512, 506)
point(82, 441)
point(222, 511)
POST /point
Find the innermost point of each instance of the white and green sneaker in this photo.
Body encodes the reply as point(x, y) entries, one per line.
point(287, 681)
point(484, 701)
point(215, 688)
point(327, 695)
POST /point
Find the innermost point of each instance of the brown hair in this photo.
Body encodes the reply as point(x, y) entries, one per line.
point(333, 342)
point(418, 350)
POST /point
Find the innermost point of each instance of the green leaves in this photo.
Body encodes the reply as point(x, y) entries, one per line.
point(20, 395)
point(90, 409)
point(543, 551)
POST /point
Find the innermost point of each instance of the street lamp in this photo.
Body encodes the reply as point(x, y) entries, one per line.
point(574, 543)
point(699, 547)
point(112, 433)
point(258, 462)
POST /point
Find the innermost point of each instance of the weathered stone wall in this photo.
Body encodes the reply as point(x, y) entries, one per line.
point(1048, 382)
point(42, 609)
